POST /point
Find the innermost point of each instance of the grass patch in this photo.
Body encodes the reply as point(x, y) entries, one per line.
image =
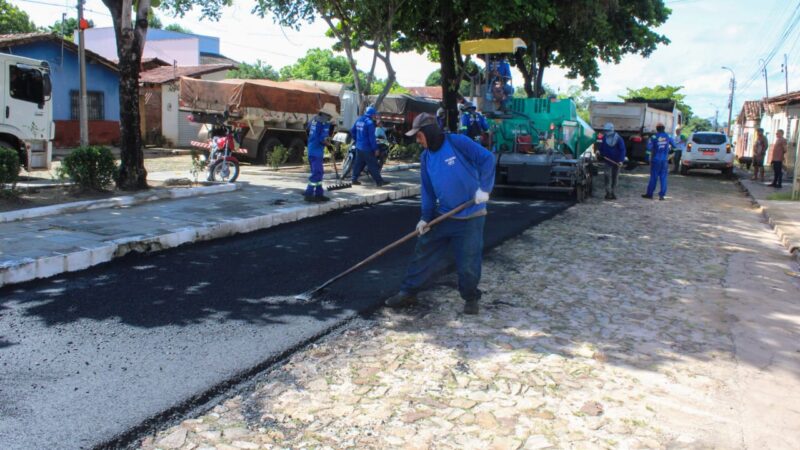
point(785, 196)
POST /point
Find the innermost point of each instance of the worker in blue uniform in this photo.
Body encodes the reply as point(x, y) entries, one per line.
point(612, 152)
point(659, 148)
point(367, 151)
point(473, 123)
point(319, 130)
point(453, 170)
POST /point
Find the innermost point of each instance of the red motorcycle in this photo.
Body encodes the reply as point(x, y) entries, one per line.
point(222, 164)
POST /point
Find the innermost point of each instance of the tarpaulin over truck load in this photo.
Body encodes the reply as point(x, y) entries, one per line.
point(403, 103)
point(234, 95)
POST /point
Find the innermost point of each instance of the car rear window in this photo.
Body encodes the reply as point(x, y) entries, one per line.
point(709, 138)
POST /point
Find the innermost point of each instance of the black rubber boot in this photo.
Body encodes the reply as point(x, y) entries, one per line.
point(401, 299)
point(471, 307)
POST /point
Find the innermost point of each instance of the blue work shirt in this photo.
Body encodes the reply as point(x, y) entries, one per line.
point(318, 131)
point(659, 145)
point(363, 132)
point(615, 150)
point(473, 124)
point(450, 177)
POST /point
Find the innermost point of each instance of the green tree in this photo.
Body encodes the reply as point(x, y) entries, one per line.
point(578, 34)
point(177, 28)
point(14, 20)
point(66, 28)
point(259, 71)
point(319, 64)
point(153, 21)
point(697, 124)
point(662, 92)
point(130, 20)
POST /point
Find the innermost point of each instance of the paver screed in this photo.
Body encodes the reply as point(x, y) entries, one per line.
point(626, 324)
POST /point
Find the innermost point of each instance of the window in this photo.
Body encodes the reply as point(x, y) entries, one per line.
point(26, 83)
point(94, 105)
point(709, 138)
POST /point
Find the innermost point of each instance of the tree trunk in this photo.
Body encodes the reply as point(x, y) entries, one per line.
point(130, 42)
point(539, 89)
point(449, 79)
point(527, 74)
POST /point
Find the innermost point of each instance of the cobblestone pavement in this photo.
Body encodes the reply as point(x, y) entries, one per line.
point(626, 324)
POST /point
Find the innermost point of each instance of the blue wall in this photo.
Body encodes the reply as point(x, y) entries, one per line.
point(65, 77)
point(207, 44)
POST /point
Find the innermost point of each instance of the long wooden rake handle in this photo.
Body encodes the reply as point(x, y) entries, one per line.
point(308, 295)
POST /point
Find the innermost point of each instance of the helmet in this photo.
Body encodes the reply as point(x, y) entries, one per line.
point(469, 105)
point(371, 111)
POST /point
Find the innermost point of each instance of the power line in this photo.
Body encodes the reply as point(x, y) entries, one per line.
point(788, 29)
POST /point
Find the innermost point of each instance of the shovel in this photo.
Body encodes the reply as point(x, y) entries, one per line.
point(338, 184)
point(308, 295)
point(619, 164)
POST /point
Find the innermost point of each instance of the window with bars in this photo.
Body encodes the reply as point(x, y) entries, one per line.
point(94, 105)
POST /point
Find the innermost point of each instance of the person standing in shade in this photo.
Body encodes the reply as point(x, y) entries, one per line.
point(680, 143)
point(612, 150)
point(453, 170)
point(319, 130)
point(759, 152)
point(778, 156)
point(367, 151)
point(658, 148)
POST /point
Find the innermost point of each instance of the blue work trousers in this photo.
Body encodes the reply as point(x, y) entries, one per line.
point(658, 172)
point(368, 159)
point(465, 238)
point(314, 186)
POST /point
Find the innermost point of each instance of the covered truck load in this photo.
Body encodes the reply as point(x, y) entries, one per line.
point(399, 110)
point(270, 113)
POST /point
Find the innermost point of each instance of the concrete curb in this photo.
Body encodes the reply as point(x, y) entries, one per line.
point(128, 200)
point(786, 240)
point(28, 269)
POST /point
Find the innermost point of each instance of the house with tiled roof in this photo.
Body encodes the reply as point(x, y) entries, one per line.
point(782, 112)
point(427, 92)
point(162, 123)
point(102, 79)
point(748, 120)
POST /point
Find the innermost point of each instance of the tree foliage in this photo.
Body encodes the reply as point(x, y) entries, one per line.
point(66, 28)
point(319, 64)
point(14, 20)
point(662, 92)
point(579, 34)
point(697, 124)
point(257, 71)
point(177, 28)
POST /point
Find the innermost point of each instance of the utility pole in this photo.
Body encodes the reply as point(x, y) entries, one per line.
point(716, 115)
point(83, 117)
point(766, 83)
point(730, 100)
point(785, 70)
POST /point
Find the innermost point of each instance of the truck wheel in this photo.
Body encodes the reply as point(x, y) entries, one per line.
point(297, 147)
point(579, 193)
point(20, 153)
point(265, 149)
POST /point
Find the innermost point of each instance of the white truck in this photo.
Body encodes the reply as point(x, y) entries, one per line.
point(269, 113)
point(635, 120)
point(26, 124)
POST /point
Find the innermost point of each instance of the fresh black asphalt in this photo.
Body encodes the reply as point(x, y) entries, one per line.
point(93, 358)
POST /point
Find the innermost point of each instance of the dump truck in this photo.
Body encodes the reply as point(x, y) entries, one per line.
point(541, 145)
point(27, 121)
point(635, 120)
point(267, 113)
point(397, 111)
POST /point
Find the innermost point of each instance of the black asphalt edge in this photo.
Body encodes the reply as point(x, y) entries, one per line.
point(793, 250)
point(246, 379)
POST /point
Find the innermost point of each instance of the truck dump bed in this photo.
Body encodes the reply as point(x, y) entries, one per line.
point(236, 95)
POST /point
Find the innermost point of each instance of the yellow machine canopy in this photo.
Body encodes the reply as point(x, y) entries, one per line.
point(490, 46)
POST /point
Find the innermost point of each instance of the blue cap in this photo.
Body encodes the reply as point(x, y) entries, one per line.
point(371, 111)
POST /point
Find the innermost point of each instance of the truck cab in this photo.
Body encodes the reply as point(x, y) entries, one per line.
point(26, 110)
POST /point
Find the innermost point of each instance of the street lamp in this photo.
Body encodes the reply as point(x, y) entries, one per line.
point(730, 100)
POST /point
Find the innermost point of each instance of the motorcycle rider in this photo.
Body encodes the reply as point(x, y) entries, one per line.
point(473, 124)
point(367, 151)
point(319, 129)
point(658, 149)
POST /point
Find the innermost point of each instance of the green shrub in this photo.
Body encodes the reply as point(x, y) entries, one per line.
point(279, 155)
point(199, 163)
point(9, 166)
point(90, 167)
point(405, 152)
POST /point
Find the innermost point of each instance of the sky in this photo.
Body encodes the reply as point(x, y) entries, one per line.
point(705, 36)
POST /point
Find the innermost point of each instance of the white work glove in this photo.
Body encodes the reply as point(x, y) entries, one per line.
point(422, 227)
point(481, 197)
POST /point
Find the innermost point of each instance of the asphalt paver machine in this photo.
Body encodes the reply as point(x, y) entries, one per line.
point(541, 145)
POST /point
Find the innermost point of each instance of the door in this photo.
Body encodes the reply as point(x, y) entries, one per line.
point(26, 108)
point(187, 131)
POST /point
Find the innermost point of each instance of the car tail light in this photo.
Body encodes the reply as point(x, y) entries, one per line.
point(190, 118)
point(688, 147)
point(636, 139)
point(599, 136)
point(728, 148)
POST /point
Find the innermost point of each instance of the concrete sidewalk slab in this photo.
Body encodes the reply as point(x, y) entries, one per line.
point(782, 215)
point(71, 240)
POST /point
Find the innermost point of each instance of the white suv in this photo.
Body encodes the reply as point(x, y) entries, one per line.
point(707, 150)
